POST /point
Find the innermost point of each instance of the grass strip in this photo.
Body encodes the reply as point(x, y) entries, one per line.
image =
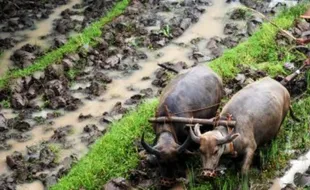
point(85, 38)
point(260, 50)
point(114, 154)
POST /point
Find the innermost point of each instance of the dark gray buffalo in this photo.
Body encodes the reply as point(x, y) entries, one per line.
point(197, 88)
point(259, 110)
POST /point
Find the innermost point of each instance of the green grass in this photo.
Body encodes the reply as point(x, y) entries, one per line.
point(115, 153)
point(261, 50)
point(85, 38)
point(112, 155)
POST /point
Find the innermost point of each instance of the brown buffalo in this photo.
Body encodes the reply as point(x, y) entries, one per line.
point(259, 110)
point(197, 88)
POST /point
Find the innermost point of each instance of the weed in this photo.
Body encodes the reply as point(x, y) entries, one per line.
point(137, 41)
point(167, 31)
point(46, 103)
point(242, 12)
point(56, 149)
point(72, 73)
point(170, 75)
point(150, 47)
point(39, 120)
point(5, 104)
point(57, 113)
point(191, 177)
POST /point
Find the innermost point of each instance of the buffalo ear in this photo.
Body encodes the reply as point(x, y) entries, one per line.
point(227, 139)
point(233, 137)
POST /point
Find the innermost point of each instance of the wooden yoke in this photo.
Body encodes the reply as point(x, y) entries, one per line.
point(191, 120)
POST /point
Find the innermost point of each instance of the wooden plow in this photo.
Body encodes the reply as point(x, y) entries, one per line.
point(305, 39)
point(292, 76)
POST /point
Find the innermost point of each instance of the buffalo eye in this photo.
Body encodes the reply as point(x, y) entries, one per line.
point(216, 151)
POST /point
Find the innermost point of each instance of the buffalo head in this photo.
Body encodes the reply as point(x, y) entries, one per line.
point(212, 145)
point(166, 149)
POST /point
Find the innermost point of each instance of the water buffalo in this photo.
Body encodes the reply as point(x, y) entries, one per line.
point(197, 88)
point(259, 110)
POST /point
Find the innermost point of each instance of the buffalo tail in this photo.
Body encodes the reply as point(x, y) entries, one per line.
point(293, 115)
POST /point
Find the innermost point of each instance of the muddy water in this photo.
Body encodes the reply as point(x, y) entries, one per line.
point(300, 165)
point(116, 92)
point(31, 186)
point(289, 3)
point(43, 28)
point(210, 24)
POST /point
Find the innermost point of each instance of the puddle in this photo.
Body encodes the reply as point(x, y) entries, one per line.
point(289, 3)
point(43, 28)
point(209, 25)
point(37, 185)
point(38, 135)
point(301, 165)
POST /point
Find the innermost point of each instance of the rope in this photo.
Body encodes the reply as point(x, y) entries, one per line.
point(200, 109)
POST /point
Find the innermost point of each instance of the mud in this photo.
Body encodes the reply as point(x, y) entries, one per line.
point(47, 25)
point(41, 27)
point(68, 106)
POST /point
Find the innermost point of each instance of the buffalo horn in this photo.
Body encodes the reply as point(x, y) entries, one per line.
point(195, 138)
point(148, 148)
point(197, 130)
point(183, 147)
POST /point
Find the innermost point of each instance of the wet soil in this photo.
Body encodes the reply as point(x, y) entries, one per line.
point(57, 113)
point(46, 25)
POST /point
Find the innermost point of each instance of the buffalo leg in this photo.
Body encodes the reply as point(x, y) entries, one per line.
point(247, 160)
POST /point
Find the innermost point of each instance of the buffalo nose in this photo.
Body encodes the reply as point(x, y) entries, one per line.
point(208, 173)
